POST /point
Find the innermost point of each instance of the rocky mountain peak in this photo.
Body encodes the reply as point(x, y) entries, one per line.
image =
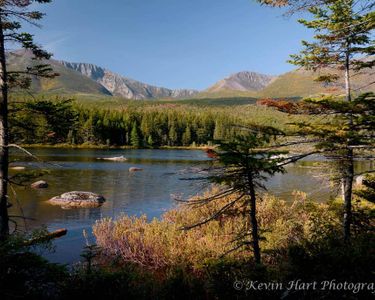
point(126, 87)
point(243, 81)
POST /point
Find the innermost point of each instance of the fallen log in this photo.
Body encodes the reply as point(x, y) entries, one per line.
point(49, 236)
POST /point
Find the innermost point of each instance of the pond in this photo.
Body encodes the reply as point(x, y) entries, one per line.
point(149, 192)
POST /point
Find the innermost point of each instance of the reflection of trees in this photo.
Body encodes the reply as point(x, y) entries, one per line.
point(306, 176)
point(147, 191)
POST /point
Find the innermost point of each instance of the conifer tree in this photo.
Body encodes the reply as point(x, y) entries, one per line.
point(186, 136)
point(12, 14)
point(172, 135)
point(219, 130)
point(135, 139)
point(294, 6)
point(343, 43)
point(241, 168)
point(150, 141)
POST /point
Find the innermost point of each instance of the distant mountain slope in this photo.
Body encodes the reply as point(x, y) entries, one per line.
point(69, 81)
point(126, 87)
point(300, 83)
point(242, 81)
point(92, 80)
point(297, 83)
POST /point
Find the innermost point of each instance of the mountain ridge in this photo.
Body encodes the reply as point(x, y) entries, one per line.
point(296, 83)
point(90, 79)
point(68, 81)
point(126, 87)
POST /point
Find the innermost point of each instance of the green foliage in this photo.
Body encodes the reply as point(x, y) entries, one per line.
point(135, 140)
point(59, 121)
point(43, 121)
point(344, 132)
point(241, 167)
point(351, 124)
point(186, 137)
point(245, 155)
point(367, 192)
point(12, 12)
point(343, 32)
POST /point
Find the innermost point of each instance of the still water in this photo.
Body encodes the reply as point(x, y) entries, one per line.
point(149, 192)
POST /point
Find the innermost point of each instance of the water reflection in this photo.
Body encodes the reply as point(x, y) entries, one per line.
point(134, 193)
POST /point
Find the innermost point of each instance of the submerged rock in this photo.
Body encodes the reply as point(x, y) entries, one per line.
point(134, 169)
point(78, 199)
point(41, 184)
point(116, 158)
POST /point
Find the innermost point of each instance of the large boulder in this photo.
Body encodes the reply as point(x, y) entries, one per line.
point(78, 199)
point(41, 184)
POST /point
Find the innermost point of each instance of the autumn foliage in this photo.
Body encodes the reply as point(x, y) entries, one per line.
point(280, 104)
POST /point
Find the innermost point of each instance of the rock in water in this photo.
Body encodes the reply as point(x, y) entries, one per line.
point(359, 180)
point(78, 200)
point(117, 158)
point(41, 184)
point(18, 168)
point(134, 169)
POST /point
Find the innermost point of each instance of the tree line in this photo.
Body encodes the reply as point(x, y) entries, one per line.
point(52, 122)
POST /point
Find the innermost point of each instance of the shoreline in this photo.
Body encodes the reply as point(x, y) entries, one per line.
point(105, 147)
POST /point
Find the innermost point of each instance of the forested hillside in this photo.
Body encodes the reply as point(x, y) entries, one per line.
point(138, 124)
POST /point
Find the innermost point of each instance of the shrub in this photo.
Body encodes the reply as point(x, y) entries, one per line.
point(162, 243)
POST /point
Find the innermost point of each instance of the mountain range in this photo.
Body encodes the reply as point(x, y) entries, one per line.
point(125, 87)
point(89, 79)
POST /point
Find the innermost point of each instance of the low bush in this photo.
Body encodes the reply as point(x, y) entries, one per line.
point(161, 243)
point(301, 240)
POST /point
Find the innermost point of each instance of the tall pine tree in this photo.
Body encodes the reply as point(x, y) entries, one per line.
point(12, 14)
point(343, 46)
point(342, 43)
point(135, 139)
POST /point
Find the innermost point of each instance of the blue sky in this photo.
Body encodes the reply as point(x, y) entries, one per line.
point(171, 43)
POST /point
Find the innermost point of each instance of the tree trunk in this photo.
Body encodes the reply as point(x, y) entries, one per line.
point(347, 77)
point(4, 138)
point(347, 194)
point(349, 164)
point(254, 222)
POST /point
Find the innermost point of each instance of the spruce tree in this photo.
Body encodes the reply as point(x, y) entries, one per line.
point(241, 168)
point(172, 135)
point(186, 136)
point(12, 14)
point(135, 139)
point(150, 141)
point(343, 46)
